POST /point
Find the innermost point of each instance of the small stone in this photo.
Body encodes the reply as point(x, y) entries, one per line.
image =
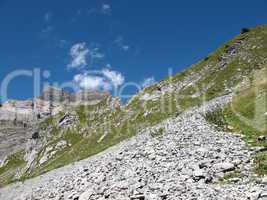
point(237, 162)
point(198, 174)
point(263, 194)
point(264, 180)
point(262, 138)
point(254, 195)
point(234, 180)
point(138, 197)
point(208, 179)
point(224, 167)
point(86, 195)
point(230, 128)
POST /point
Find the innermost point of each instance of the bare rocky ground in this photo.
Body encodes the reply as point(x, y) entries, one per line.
point(13, 138)
point(181, 158)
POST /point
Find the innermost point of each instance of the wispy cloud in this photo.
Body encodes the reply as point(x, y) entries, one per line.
point(48, 17)
point(115, 77)
point(91, 11)
point(148, 81)
point(119, 41)
point(47, 29)
point(103, 79)
point(101, 9)
point(106, 9)
point(78, 53)
point(62, 43)
point(95, 55)
point(81, 55)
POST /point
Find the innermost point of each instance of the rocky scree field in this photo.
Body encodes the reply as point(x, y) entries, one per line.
point(159, 120)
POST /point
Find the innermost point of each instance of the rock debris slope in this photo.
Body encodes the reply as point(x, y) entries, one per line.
point(174, 152)
point(69, 127)
point(180, 158)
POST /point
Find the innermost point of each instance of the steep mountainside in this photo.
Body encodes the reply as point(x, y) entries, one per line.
point(180, 158)
point(81, 130)
point(22, 122)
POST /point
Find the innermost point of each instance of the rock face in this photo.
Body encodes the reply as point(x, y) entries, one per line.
point(50, 102)
point(53, 94)
point(13, 138)
point(85, 96)
point(19, 119)
point(186, 162)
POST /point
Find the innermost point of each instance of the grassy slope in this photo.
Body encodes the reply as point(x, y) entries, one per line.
point(138, 113)
point(246, 115)
point(14, 164)
point(125, 122)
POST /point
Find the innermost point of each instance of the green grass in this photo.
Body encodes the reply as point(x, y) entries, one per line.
point(242, 116)
point(188, 102)
point(47, 122)
point(14, 163)
point(99, 120)
point(228, 177)
point(226, 118)
point(218, 118)
point(157, 133)
point(260, 161)
point(81, 111)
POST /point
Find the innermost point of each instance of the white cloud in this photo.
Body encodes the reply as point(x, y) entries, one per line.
point(106, 9)
point(148, 81)
point(91, 82)
point(125, 47)
point(106, 79)
point(119, 41)
point(77, 78)
point(116, 78)
point(78, 53)
point(47, 29)
point(95, 54)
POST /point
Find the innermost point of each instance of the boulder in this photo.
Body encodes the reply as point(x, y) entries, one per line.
point(138, 197)
point(86, 195)
point(224, 167)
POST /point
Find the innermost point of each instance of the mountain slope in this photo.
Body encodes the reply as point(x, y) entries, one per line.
point(180, 158)
point(80, 131)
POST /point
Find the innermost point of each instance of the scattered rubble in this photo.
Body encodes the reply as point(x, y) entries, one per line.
point(186, 162)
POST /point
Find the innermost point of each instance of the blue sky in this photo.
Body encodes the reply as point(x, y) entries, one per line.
point(127, 41)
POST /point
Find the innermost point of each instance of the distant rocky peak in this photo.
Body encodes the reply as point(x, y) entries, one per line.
point(51, 93)
point(55, 94)
point(89, 95)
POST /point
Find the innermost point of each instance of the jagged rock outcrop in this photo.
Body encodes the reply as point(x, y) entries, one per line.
point(87, 96)
point(52, 101)
point(53, 94)
point(20, 123)
point(13, 138)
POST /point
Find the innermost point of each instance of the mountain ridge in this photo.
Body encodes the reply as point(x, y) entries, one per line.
point(85, 130)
